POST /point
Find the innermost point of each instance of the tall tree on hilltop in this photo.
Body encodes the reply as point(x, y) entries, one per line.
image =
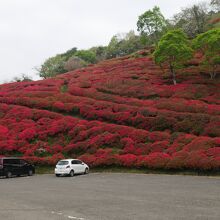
point(192, 20)
point(173, 50)
point(151, 25)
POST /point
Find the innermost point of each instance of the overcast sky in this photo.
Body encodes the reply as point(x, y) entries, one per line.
point(33, 30)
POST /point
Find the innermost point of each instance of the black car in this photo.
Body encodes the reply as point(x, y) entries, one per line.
point(10, 166)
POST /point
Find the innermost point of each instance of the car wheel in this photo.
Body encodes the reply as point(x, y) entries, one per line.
point(86, 171)
point(30, 172)
point(71, 173)
point(57, 175)
point(8, 174)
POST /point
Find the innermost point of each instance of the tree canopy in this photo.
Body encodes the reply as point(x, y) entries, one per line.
point(86, 55)
point(123, 44)
point(192, 20)
point(52, 66)
point(151, 25)
point(208, 44)
point(173, 50)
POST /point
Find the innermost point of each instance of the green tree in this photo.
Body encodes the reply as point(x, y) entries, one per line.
point(52, 67)
point(192, 20)
point(131, 43)
point(209, 44)
point(113, 49)
point(123, 44)
point(86, 55)
point(151, 25)
point(69, 53)
point(173, 50)
point(100, 52)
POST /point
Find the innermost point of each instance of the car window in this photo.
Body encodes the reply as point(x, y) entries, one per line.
point(23, 162)
point(15, 161)
point(8, 161)
point(63, 162)
point(79, 162)
point(74, 162)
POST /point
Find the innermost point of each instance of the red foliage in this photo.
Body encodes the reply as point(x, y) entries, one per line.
point(129, 115)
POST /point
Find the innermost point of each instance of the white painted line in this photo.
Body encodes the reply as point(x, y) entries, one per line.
point(72, 217)
point(68, 216)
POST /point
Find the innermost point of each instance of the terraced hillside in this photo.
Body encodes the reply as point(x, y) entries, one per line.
point(122, 112)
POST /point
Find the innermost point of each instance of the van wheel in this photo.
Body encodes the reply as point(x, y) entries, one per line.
point(71, 173)
point(8, 174)
point(30, 172)
point(86, 171)
point(57, 175)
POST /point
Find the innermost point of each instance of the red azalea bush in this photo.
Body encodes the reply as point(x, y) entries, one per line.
point(130, 115)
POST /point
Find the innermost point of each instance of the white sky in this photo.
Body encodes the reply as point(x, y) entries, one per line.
point(33, 30)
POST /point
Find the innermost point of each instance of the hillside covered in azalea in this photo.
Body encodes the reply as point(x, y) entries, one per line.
point(120, 112)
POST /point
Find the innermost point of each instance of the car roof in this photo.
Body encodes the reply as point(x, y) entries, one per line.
point(10, 158)
point(68, 159)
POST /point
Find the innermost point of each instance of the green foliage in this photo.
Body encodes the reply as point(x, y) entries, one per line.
point(100, 52)
point(64, 88)
point(209, 44)
point(69, 53)
point(173, 50)
point(121, 45)
point(86, 55)
point(52, 67)
point(151, 25)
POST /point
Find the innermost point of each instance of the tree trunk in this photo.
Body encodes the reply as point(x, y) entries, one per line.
point(173, 74)
point(213, 72)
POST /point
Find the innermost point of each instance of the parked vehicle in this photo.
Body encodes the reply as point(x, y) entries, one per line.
point(11, 166)
point(71, 167)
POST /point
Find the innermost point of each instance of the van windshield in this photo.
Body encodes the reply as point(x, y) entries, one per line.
point(63, 162)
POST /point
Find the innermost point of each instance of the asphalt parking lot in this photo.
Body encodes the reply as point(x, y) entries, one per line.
point(110, 196)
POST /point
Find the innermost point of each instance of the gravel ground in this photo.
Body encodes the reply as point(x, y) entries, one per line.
point(110, 196)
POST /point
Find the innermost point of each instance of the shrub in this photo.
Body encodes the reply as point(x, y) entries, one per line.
point(74, 63)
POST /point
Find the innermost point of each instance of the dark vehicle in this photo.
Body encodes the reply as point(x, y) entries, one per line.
point(10, 166)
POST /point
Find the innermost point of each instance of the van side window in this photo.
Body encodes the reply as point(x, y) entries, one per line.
point(11, 161)
point(7, 161)
point(23, 162)
point(16, 161)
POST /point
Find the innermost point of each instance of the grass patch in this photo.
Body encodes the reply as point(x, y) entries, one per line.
point(64, 88)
